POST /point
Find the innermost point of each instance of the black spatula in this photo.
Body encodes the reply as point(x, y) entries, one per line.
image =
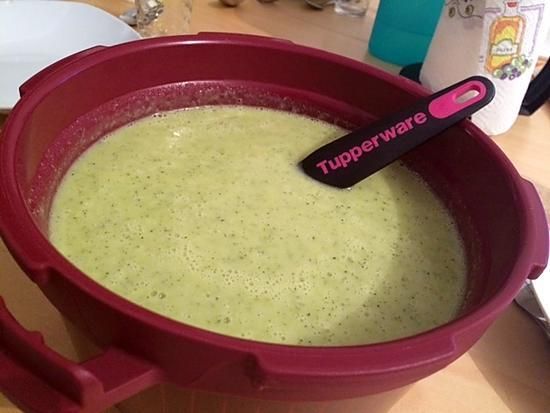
point(353, 157)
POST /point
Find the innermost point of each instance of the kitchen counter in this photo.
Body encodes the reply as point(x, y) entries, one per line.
point(507, 371)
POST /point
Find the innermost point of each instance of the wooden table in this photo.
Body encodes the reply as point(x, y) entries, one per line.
point(507, 371)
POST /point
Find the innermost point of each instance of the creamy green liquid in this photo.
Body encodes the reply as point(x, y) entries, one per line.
point(202, 215)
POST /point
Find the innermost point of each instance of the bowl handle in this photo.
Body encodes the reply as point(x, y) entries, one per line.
point(44, 73)
point(537, 234)
point(39, 380)
point(396, 363)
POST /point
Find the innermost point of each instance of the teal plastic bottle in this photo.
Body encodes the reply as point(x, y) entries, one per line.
point(403, 30)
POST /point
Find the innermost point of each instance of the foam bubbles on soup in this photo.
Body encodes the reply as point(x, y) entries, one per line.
point(203, 216)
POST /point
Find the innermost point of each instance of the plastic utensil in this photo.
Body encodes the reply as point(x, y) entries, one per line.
point(357, 155)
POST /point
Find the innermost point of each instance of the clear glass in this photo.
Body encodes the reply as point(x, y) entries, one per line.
point(351, 7)
point(163, 17)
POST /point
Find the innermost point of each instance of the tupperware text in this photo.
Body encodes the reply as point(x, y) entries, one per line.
point(372, 143)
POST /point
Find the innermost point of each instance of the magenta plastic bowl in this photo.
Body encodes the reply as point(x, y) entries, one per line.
point(71, 104)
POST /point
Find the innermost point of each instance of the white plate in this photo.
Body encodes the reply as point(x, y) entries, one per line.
point(36, 33)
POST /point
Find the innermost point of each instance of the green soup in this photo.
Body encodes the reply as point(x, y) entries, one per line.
point(202, 215)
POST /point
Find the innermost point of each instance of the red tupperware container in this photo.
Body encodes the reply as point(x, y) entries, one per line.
point(68, 106)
